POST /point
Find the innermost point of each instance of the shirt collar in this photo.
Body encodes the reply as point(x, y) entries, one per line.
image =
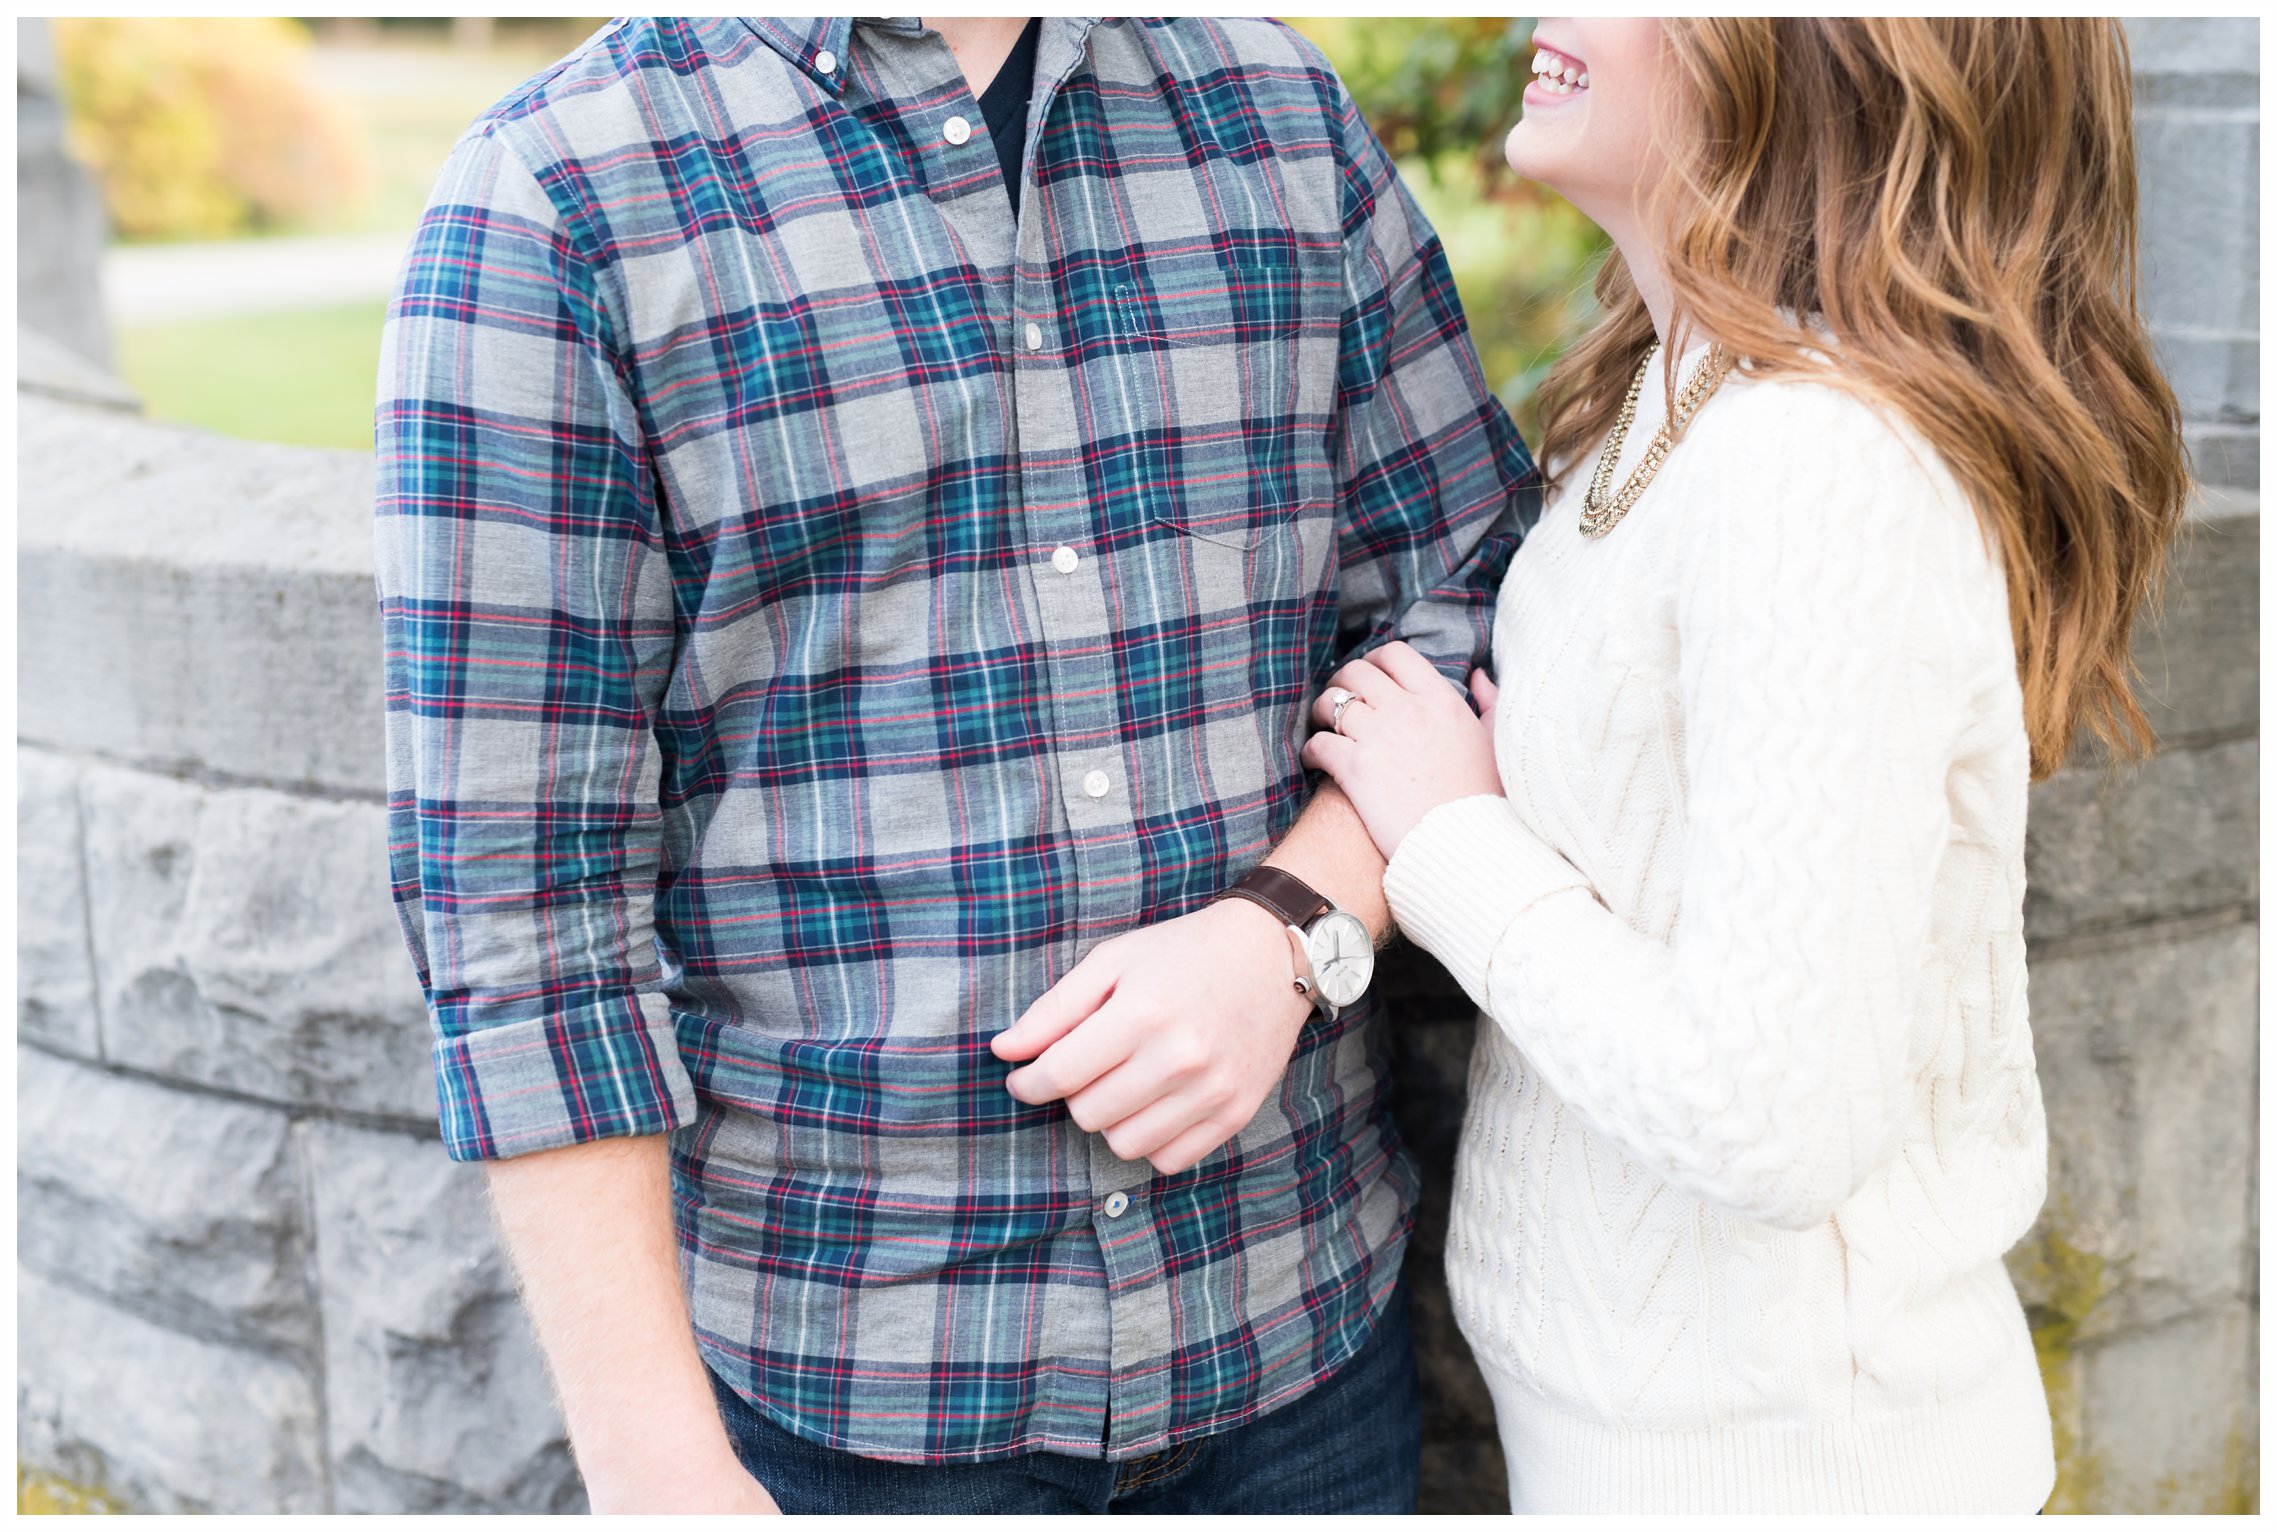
point(805, 39)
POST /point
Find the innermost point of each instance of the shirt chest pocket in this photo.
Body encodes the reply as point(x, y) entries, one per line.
point(1228, 360)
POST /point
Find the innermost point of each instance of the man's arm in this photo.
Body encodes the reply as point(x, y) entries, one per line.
point(528, 626)
point(1167, 1040)
point(590, 1230)
point(1330, 849)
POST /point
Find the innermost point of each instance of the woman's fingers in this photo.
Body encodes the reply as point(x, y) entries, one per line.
point(1363, 680)
point(1410, 669)
point(1484, 692)
point(1332, 753)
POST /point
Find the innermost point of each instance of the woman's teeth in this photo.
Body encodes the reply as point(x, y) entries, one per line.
point(1559, 75)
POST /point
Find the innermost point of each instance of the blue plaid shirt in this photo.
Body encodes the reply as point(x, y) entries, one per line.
point(820, 608)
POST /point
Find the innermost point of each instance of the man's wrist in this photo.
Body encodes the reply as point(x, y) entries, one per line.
point(1269, 937)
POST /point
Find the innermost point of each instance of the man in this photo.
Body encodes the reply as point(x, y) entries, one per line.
point(858, 538)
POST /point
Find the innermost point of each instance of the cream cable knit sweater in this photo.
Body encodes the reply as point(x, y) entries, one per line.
point(1753, 1112)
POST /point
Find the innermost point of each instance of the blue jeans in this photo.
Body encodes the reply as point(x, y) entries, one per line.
point(1347, 1447)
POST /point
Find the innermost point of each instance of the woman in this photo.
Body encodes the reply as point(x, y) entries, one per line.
point(1734, 864)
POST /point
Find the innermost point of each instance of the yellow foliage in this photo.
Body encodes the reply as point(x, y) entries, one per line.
point(39, 1493)
point(204, 128)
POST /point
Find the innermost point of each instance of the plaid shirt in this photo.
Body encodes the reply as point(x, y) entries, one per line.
point(820, 609)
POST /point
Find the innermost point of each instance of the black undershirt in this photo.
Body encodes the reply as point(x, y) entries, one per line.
point(1004, 105)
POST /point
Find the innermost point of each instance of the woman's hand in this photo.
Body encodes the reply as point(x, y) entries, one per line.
point(1409, 741)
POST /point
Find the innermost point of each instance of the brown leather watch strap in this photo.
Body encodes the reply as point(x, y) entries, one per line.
point(1292, 900)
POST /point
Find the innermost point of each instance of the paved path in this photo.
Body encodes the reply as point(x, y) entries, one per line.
point(157, 284)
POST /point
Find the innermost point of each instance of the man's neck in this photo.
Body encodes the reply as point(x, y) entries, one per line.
point(981, 44)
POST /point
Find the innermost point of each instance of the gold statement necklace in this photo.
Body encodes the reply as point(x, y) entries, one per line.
point(1601, 509)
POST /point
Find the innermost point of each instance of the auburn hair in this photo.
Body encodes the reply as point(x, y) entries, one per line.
point(1952, 201)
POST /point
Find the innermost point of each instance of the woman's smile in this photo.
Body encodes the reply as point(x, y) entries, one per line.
point(1558, 77)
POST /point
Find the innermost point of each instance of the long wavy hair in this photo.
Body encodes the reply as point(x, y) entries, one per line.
point(1954, 202)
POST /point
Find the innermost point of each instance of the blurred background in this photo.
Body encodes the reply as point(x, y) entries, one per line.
point(261, 176)
point(248, 1279)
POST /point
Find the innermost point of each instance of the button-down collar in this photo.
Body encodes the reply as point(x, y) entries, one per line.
point(804, 39)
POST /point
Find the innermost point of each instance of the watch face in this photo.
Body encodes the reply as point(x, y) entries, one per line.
point(1343, 959)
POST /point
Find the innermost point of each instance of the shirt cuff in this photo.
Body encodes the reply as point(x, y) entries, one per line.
point(611, 1069)
point(1463, 875)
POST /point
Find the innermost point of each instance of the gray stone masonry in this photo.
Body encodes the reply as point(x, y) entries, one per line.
point(59, 212)
point(191, 604)
point(2198, 149)
point(249, 1280)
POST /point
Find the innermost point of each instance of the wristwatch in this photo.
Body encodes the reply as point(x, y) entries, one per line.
point(1334, 954)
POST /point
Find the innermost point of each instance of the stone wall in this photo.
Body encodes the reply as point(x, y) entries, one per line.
point(250, 1281)
point(59, 213)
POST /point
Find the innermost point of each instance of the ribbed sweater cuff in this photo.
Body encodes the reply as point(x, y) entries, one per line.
point(1461, 877)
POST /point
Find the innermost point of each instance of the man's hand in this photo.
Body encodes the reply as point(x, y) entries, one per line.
point(1167, 1040)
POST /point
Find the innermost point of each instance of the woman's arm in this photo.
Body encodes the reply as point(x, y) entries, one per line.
point(1831, 629)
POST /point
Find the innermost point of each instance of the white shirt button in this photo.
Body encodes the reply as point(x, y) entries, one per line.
point(956, 130)
point(1095, 784)
point(1064, 560)
point(1035, 337)
point(826, 62)
point(1117, 1205)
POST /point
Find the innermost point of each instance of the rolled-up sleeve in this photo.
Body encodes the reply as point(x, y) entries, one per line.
point(526, 603)
point(1437, 486)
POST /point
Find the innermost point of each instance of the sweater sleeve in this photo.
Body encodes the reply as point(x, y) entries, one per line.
point(1830, 632)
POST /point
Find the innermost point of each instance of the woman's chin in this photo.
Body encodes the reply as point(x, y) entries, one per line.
point(1527, 153)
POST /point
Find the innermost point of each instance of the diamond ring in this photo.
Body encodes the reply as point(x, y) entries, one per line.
point(1338, 700)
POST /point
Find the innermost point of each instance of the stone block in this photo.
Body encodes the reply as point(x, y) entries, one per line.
point(2225, 455)
point(2147, 1053)
point(185, 600)
point(2170, 1418)
point(181, 1207)
point(49, 368)
point(245, 939)
point(2178, 834)
point(163, 1421)
point(2182, 45)
point(2200, 657)
point(55, 973)
point(436, 1396)
point(2215, 377)
point(2237, 90)
point(2201, 182)
point(59, 210)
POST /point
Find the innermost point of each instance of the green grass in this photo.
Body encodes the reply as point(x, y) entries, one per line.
point(306, 377)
